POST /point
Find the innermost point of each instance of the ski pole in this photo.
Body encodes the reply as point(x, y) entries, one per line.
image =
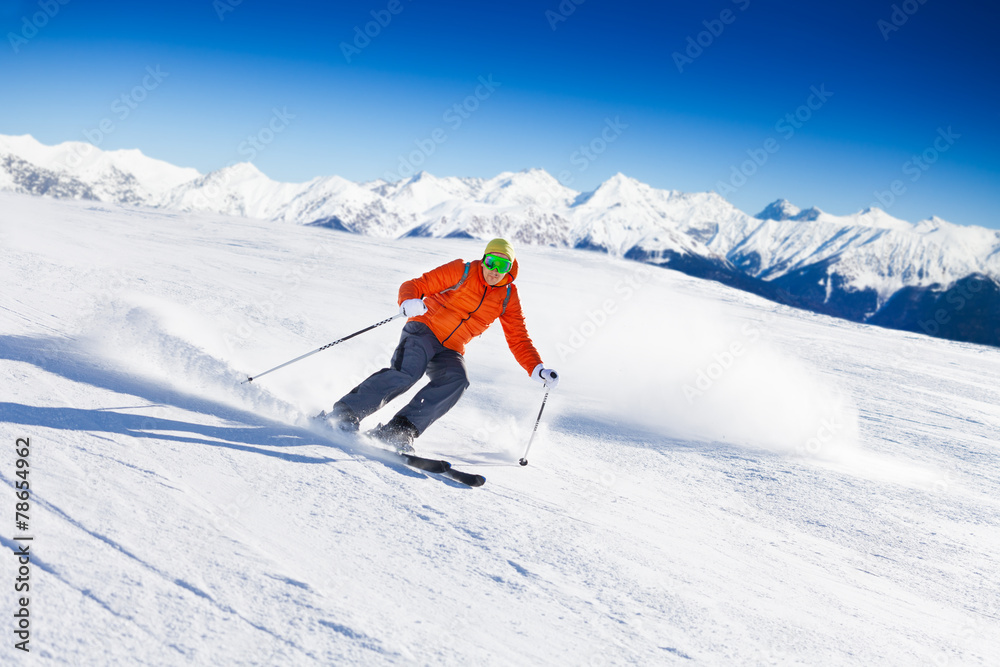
point(320, 349)
point(524, 459)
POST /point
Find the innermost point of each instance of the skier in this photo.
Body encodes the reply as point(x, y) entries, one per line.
point(446, 307)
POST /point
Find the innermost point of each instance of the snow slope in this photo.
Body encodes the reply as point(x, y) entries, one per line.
point(717, 480)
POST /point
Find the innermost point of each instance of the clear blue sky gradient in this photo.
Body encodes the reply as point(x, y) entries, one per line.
point(890, 90)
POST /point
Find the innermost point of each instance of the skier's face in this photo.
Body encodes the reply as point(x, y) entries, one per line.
point(493, 277)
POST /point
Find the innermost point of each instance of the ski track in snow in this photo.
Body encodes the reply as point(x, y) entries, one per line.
point(828, 496)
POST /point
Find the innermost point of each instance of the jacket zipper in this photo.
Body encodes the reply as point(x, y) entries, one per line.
point(469, 316)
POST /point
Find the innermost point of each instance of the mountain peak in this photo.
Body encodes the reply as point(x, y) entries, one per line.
point(619, 178)
point(618, 183)
point(524, 176)
point(422, 176)
point(873, 216)
point(779, 209)
point(18, 140)
point(536, 174)
point(242, 171)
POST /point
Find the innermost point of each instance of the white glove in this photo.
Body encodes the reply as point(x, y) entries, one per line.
point(413, 307)
point(546, 376)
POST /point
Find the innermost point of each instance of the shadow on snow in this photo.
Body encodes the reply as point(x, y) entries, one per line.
point(65, 358)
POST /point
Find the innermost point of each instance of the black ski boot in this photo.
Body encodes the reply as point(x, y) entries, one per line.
point(398, 434)
point(341, 417)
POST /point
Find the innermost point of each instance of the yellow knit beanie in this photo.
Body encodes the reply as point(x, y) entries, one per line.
point(500, 246)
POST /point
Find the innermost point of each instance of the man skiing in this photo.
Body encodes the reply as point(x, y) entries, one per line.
point(446, 307)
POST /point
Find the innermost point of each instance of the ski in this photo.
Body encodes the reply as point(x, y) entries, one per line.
point(436, 466)
point(442, 468)
point(427, 465)
point(466, 478)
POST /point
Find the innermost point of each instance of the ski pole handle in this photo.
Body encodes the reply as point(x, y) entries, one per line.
point(320, 349)
point(524, 459)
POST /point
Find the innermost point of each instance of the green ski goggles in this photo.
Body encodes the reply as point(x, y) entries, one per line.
point(497, 263)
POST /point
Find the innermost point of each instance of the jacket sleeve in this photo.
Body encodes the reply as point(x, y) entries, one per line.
point(433, 281)
point(516, 333)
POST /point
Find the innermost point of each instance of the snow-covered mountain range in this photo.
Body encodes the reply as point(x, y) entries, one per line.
point(931, 276)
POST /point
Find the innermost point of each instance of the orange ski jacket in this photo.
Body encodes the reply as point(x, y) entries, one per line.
point(460, 305)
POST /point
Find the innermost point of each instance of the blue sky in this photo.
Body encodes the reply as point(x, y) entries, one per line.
point(825, 104)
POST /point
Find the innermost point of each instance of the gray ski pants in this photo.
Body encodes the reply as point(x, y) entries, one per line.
point(418, 352)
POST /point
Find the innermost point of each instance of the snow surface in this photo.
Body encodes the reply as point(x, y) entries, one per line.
point(717, 479)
